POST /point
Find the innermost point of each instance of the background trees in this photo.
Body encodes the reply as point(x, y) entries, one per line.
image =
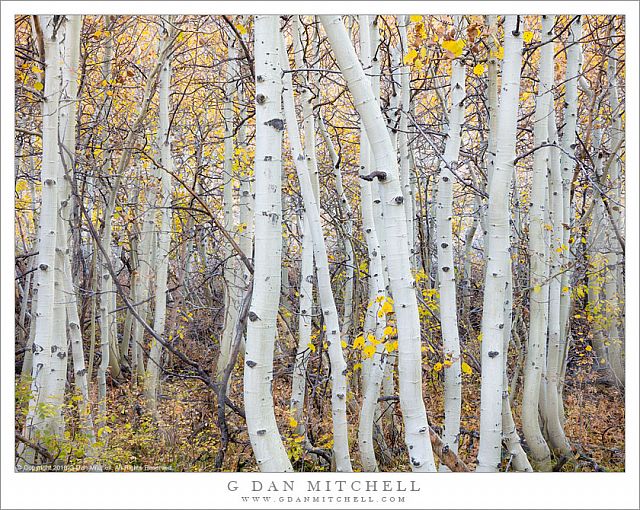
point(451, 218)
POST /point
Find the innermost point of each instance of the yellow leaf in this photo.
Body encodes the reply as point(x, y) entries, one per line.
point(454, 47)
point(311, 347)
point(527, 37)
point(344, 344)
point(241, 28)
point(391, 346)
point(38, 86)
point(36, 69)
point(498, 54)
point(415, 18)
point(565, 289)
point(292, 422)
point(466, 368)
point(537, 288)
point(387, 331)
point(423, 52)
point(588, 348)
point(437, 367)
point(411, 56)
point(358, 343)
point(478, 69)
point(369, 351)
point(357, 366)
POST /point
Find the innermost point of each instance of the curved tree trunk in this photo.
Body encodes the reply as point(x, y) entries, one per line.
point(400, 279)
point(329, 311)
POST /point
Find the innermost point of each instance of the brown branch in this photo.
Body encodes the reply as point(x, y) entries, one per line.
point(446, 455)
point(36, 447)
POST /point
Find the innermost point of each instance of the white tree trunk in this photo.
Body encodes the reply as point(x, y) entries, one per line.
point(232, 277)
point(68, 134)
point(45, 407)
point(325, 293)
point(154, 364)
point(261, 329)
point(446, 268)
point(614, 282)
point(567, 166)
point(373, 367)
point(555, 350)
point(403, 145)
point(539, 271)
point(498, 256)
point(347, 215)
point(400, 278)
point(305, 315)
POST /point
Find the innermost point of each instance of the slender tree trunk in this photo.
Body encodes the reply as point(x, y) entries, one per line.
point(232, 278)
point(614, 282)
point(373, 367)
point(325, 293)
point(446, 268)
point(261, 329)
point(567, 167)
point(498, 256)
point(45, 407)
point(539, 271)
point(67, 111)
point(401, 281)
point(403, 139)
point(303, 351)
point(154, 365)
point(555, 351)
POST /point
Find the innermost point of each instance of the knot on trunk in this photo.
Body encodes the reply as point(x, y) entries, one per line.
point(381, 176)
point(277, 124)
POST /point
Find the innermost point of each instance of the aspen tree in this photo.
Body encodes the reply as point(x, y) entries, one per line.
point(567, 166)
point(555, 350)
point(232, 276)
point(373, 366)
point(403, 143)
point(400, 278)
point(45, 413)
point(154, 365)
point(614, 282)
point(539, 272)
point(329, 311)
point(68, 111)
point(261, 328)
point(498, 256)
point(305, 292)
point(446, 268)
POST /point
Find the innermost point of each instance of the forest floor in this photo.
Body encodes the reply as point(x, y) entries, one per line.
point(186, 436)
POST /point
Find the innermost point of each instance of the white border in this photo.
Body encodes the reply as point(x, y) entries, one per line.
point(208, 490)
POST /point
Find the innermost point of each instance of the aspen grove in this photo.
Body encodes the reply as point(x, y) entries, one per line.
point(320, 243)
